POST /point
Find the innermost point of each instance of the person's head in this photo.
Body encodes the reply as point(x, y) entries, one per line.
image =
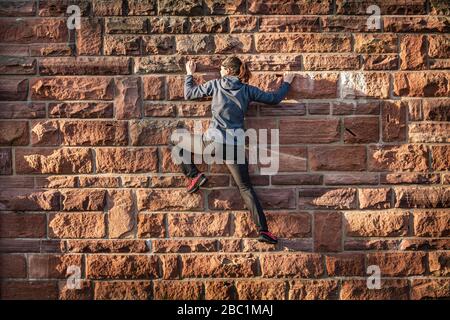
point(233, 66)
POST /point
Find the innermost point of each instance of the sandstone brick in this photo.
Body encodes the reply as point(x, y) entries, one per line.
point(393, 121)
point(64, 160)
point(128, 25)
point(346, 264)
point(282, 7)
point(314, 86)
point(439, 263)
point(313, 290)
point(72, 88)
point(293, 43)
point(428, 223)
point(83, 292)
point(94, 133)
point(13, 266)
point(218, 266)
point(182, 290)
point(80, 110)
point(379, 198)
point(122, 45)
point(386, 7)
point(220, 290)
point(184, 246)
point(376, 224)
point(171, 7)
point(429, 289)
point(429, 132)
point(394, 264)
point(195, 44)
point(158, 44)
point(424, 243)
point(421, 84)
point(56, 182)
point(107, 7)
point(318, 62)
point(151, 132)
point(441, 157)
point(105, 246)
point(82, 199)
point(376, 43)
point(233, 43)
point(415, 197)
point(338, 23)
point(398, 158)
point(89, 36)
point(52, 266)
point(14, 133)
point(77, 225)
point(17, 65)
point(99, 182)
point(209, 24)
point(380, 62)
point(45, 133)
point(199, 225)
point(150, 225)
point(301, 265)
point(327, 231)
point(396, 289)
point(122, 290)
point(57, 8)
point(424, 24)
point(438, 46)
point(413, 52)
point(121, 211)
point(364, 85)
point(154, 87)
point(436, 110)
point(126, 160)
point(169, 24)
point(409, 178)
point(142, 7)
point(122, 266)
point(363, 244)
point(33, 30)
point(170, 266)
point(309, 131)
point(26, 199)
point(84, 66)
point(337, 158)
point(13, 89)
point(316, 198)
point(240, 24)
point(16, 8)
point(51, 50)
point(261, 289)
point(128, 99)
point(168, 200)
point(22, 225)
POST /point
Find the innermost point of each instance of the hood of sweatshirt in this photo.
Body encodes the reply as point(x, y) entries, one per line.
point(230, 82)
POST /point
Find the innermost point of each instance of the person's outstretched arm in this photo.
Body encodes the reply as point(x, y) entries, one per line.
point(275, 97)
point(192, 91)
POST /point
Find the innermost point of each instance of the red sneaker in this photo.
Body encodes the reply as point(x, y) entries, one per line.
point(196, 182)
point(266, 236)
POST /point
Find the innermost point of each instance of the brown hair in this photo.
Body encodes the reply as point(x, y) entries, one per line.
point(238, 68)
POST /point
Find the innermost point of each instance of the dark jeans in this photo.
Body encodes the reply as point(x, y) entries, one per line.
point(240, 174)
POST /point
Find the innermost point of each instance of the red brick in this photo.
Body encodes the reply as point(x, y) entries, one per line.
point(327, 231)
point(23, 225)
point(13, 266)
point(13, 89)
point(337, 158)
point(29, 290)
point(309, 131)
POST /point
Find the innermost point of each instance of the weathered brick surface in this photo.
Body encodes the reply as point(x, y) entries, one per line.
point(87, 180)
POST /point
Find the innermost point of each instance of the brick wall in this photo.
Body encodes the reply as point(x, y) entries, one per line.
point(87, 180)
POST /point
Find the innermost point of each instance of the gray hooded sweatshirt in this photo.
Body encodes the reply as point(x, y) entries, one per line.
point(230, 100)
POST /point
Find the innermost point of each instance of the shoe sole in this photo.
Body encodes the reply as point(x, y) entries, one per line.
point(267, 241)
point(202, 182)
